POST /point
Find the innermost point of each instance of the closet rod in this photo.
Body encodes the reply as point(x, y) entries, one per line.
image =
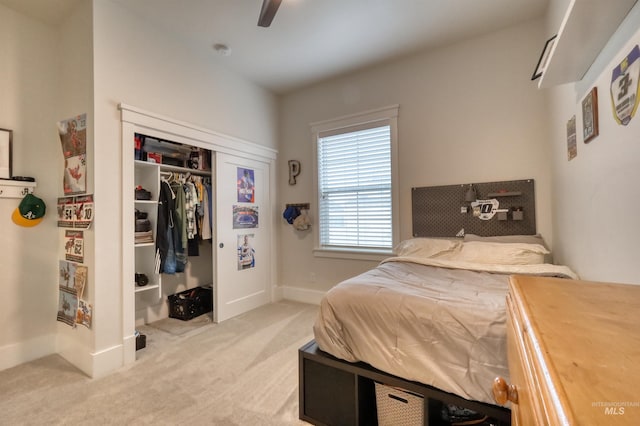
point(165, 168)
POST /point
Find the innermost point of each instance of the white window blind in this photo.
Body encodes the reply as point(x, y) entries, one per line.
point(354, 181)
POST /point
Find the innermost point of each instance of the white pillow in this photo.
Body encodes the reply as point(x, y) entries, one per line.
point(500, 253)
point(426, 247)
point(528, 239)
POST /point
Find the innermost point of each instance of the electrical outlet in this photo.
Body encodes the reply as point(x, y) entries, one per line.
point(312, 277)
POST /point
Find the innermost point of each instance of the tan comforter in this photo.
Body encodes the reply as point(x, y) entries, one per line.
point(441, 323)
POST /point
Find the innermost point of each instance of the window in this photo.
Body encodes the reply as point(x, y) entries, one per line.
point(355, 175)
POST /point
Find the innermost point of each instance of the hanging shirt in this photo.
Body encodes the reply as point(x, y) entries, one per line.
point(210, 205)
point(206, 221)
point(165, 221)
point(190, 205)
point(181, 214)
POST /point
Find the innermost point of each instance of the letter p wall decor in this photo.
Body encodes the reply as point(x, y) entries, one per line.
point(294, 171)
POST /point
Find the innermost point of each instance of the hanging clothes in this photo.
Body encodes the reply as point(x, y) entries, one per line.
point(165, 216)
point(197, 182)
point(191, 204)
point(168, 240)
point(210, 205)
point(180, 232)
point(181, 214)
point(206, 218)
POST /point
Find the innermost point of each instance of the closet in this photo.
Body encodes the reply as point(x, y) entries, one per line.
point(233, 255)
point(173, 192)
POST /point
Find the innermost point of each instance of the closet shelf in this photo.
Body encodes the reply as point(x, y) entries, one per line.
point(145, 244)
point(147, 287)
point(504, 194)
point(586, 28)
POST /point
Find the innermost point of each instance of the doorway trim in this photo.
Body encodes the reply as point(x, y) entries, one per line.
point(136, 120)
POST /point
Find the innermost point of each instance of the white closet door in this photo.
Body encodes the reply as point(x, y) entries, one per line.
point(243, 258)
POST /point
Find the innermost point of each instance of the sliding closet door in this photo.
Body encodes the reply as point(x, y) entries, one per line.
point(243, 260)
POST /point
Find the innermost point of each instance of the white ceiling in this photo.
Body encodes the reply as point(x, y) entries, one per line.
point(311, 40)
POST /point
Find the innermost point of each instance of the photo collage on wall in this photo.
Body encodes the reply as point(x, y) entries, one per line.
point(75, 212)
point(624, 91)
point(245, 216)
point(72, 280)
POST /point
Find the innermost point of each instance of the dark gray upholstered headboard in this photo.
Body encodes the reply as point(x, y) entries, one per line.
point(437, 209)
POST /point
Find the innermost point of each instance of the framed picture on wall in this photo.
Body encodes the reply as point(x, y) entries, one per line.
point(544, 58)
point(572, 147)
point(590, 115)
point(6, 138)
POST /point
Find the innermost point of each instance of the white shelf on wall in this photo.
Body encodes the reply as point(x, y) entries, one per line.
point(15, 188)
point(147, 287)
point(585, 29)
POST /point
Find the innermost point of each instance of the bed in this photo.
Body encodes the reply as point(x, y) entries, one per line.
point(435, 313)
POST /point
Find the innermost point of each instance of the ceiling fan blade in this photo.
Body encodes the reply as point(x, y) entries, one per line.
point(269, 9)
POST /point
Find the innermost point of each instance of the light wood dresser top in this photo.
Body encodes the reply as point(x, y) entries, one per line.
point(582, 345)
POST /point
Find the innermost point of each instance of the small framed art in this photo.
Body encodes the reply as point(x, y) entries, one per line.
point(572, 147)
point(6, 138)
point(590, 115)
point(544, 58)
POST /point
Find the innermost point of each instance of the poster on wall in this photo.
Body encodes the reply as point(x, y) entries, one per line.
point(246, 185)
point(83, 211)
point(245, 217)
point(246, 252)
point(572, 147)
point(67, 306)
point(85, 313)
point(72, 276)
point(73, 140)
point(66, 274)
point(65, 212)
point(625, 80)
point(80, 283)
point(75, 212)
point(74, 245)
point(590, 116)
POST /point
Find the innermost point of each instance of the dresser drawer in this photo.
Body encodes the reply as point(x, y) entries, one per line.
point(527, 410)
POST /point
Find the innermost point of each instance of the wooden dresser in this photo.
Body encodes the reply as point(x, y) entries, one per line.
point(574, 353)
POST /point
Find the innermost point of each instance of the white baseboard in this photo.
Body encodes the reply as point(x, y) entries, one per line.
point(302, 295)
point(93, 364)
point(21, 352)
point(276, 293)
point(108, 360)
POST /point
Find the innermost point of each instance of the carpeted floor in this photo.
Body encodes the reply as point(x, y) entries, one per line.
point(243, 371)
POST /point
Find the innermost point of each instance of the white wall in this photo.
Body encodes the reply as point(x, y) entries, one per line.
point(28, 264)
point(142, 66)
point(468, 113)
point(596, 196)
point(75, 85)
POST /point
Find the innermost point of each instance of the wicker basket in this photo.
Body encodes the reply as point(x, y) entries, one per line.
point(398, 407)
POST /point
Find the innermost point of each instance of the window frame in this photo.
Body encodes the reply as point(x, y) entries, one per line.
point(372, 118)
